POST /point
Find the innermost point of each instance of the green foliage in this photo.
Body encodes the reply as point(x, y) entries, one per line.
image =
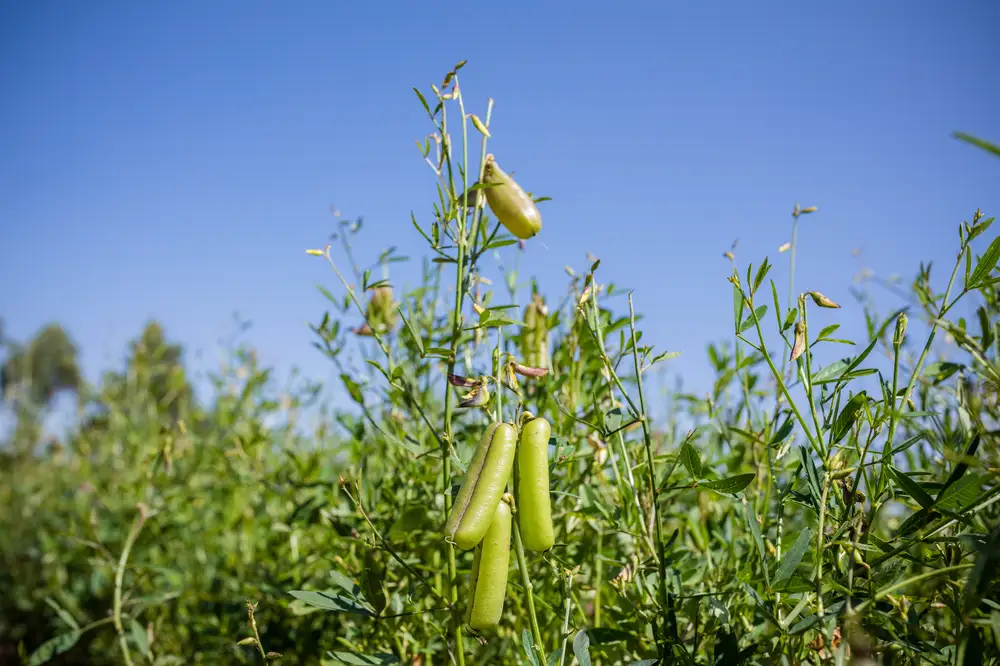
point(810, 506)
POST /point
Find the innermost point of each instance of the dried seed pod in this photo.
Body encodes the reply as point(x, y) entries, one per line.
point(512, 205)
point(489, 572)
point(534, 509)
point(483, 486)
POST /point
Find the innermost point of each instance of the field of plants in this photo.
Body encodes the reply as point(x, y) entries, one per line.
point(505, 487)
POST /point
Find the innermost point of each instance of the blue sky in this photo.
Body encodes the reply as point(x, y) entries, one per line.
point(174, 159)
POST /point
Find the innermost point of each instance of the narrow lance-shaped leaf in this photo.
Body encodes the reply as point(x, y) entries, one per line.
point(793, 557)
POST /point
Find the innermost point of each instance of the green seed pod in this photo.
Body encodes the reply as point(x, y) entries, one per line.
point(489, 572)
point(535, 334)
point(534, 509)
point(512, 205)
point(483, 486)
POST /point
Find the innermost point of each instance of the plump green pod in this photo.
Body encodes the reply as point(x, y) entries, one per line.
point(512, 205)
point(489, 572)
point(534, 510)
point(483, 486)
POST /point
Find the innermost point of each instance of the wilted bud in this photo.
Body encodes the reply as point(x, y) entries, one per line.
point(897, 337)
point(810, 209)
point(381, 312)
point(525, 371)
point(822, 301)
point(461, 382)
point(799, 343)
point(510, 377)
point(785, 247)
point(729, 255)
point(272, 655)
point(512, 205)
point(478, 396)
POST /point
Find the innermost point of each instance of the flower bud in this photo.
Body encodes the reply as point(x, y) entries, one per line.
point(822, 301)
point(897, 338)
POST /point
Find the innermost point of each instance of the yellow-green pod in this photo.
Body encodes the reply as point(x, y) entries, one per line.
point(535, 334)
point(489, 572)
point(483, 486)
point(534, 510)
point(512, 205)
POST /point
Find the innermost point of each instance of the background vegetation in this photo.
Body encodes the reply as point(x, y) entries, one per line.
point(827, 501)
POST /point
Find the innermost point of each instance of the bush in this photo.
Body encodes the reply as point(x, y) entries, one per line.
point(801, 512)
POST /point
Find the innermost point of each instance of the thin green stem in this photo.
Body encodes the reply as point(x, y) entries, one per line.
point(648, 441)
point(598, 334)
point(819, 544)
point(781, 385)
point(893, 418)
point(807, 377)
point(522, 565)
point(119, 580)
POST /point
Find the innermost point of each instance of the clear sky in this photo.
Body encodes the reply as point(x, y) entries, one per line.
point(175, 159)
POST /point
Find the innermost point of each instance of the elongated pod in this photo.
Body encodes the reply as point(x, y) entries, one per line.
point(483, 486)
point(511, 204)
point(534, 509)
point(489, 572)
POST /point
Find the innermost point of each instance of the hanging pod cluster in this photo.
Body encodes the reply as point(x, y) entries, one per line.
point(514, 207)
point(481, 517)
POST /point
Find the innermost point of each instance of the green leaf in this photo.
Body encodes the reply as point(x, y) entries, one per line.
point(353, 388)
point(912, 488)
point(812, 476)
point(959, 494)
point(53, 647)
point(979, 143)
point(139, 637)
point(827, 331)
point(784, 431)
point(916, 521)
point(961, 467)
point(529, 647)
point(581, 647)
point(334, 601)
point(750, 322)
point(986, 263)
point(848, 416)
point(413, 332)
point(645, 662)
point(793, 557)
point(423, 101)
point(357, 659)
point(554, 657)
point(730, 485)
point(691, 460)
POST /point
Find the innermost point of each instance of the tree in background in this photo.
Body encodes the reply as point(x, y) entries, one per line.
point(33, 374)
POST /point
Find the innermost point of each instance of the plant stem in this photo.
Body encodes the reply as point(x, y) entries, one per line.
point(522, 565)
point(648, 440)
point(893, 419)
point(119, 579)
